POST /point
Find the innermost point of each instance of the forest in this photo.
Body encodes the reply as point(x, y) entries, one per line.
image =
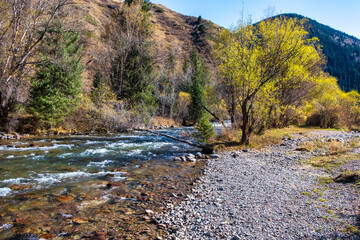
point(267, 75)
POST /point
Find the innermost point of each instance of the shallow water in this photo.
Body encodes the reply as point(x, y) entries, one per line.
point(55, 187)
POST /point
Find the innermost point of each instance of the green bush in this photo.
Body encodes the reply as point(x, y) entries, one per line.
point(158, 9)
point(202, 29)
point(204, 130)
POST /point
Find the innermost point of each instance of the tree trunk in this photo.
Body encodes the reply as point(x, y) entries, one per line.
point(245, 125)
point(4, 114)
point(232, 110)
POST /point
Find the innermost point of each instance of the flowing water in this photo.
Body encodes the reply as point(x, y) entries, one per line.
point(67, 187)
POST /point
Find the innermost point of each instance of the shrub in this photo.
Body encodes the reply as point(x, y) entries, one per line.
point(326, 118)
point(202, 29)
point(204, 130)
point(158, 9)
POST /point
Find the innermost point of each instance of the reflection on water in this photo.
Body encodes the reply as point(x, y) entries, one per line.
point(62, 183)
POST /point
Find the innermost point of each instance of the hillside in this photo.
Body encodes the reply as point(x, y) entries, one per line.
point(171, 31)
point(180, 33)
point(342, 52)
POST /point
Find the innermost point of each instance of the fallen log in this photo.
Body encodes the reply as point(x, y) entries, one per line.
point(171, 137)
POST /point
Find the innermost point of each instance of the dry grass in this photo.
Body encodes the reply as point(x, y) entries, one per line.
point(331, 161)
point(275, 136)
point(163, 122)
point(230, 140)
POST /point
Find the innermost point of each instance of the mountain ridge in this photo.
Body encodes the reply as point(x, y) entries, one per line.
point(342, 51)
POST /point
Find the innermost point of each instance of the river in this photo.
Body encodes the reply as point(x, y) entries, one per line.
point(86, 186)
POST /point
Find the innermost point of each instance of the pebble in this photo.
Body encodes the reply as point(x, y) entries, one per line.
point(258, 195)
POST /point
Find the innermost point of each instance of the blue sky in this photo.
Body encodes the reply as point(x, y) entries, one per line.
point(343, 15)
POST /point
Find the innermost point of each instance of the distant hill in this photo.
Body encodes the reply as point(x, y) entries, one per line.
point(342, 52)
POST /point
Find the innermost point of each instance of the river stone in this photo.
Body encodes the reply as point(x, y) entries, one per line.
point(199, 155)
point(149, 212)
point(177, 159)
point(235, 238)
point(214, 156)
point(246, 150)
point(190, 159)
point(339, 139)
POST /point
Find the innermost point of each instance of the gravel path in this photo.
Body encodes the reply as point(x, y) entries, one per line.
point(259, 195)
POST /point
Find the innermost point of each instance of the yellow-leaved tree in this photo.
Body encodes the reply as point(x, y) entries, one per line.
point(330, 107)
point(258, 62)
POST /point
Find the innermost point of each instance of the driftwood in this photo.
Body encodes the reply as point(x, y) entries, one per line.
point(171, 137)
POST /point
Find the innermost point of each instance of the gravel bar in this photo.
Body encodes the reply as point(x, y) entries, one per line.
point(265, 195)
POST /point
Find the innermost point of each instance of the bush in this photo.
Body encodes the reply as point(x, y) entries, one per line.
point(158, 9)
point(202, 29)
point(327, 118)
point(204, 130)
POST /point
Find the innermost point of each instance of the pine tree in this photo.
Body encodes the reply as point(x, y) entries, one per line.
point(133, 65)
point(199, 78)
point(56, 87)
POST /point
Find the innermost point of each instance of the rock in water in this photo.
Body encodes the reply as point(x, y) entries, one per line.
point(149, 212)
point(189, 159)
point(235, 238)
point(199, 155)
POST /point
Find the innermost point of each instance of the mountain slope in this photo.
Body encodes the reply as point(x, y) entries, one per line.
point(342, 52)
point(171, 31)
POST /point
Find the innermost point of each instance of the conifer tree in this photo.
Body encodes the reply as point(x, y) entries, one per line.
point(199, 78)
point(56, 87)
point(133, 68)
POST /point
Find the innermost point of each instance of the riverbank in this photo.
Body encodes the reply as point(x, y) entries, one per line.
point(276, 193)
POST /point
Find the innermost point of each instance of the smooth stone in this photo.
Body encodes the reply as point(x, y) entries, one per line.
point(190, 159)
point(199, 155)
point(246, 150)
point(149, 212)
point(214, 156)
point(177, 159)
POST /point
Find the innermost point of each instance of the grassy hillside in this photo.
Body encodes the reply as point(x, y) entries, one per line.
point(171, 30)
